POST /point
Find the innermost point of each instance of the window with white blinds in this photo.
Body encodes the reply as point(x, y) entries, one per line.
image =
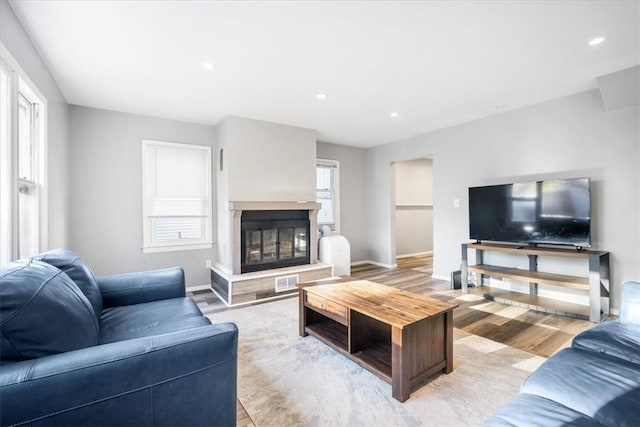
point(176, 196)
point(327, 193)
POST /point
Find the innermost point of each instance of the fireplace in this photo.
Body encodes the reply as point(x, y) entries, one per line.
point(258, 247)
point(273, 239)
point(266, 249)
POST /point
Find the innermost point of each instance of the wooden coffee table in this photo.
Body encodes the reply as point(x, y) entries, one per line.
point(401, 337)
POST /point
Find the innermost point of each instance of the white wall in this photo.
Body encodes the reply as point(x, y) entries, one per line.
point(106, 191)
point(19, 45)
point(567, 137)
point(413, 206)
point(223, 222)
point(263, 162)
point(353, 209)
point(268, 161)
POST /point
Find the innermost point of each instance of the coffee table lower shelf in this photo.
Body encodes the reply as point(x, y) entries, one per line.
point(376, 358)
point(331, 333)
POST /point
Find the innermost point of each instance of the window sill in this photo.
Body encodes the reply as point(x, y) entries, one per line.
point(174, 248)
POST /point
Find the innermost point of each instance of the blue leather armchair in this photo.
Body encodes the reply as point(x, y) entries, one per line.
point(595, 383)
point(127, 349)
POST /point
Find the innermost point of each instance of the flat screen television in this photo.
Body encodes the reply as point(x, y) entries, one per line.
point(542, 212)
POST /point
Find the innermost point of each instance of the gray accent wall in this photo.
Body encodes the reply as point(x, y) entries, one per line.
point(18, 43)
point(106, 191)
point(569, 137)
point(353, 208)
point(620, 89)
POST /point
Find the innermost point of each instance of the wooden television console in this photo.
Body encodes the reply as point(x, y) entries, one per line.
point(595, 281)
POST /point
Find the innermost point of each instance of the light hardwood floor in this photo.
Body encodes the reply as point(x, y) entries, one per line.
point(538, 333)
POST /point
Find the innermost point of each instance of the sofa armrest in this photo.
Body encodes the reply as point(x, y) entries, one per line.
point(182, 378)
point(145, 286)
point(630, 308)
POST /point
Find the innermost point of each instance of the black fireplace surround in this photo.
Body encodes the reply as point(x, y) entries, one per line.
point(274, 239)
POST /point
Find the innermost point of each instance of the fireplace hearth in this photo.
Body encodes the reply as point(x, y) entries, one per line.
point(274, 239)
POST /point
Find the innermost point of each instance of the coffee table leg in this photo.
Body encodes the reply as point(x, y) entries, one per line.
point(302, 318)
point(400, 380)
point(448, 345)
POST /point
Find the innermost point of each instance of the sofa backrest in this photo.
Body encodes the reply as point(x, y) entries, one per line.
point(630, 308)
point(43, 312)
point(78, 271)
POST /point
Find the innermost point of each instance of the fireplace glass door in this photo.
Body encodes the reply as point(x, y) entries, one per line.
point(275, 241)
point(300, 245)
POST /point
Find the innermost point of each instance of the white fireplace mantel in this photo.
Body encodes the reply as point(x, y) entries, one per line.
point(273, 206)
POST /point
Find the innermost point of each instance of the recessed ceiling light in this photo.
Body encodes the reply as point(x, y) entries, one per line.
point(393, 115)
point(596, 41)
point(208, 66)
point(321, 95)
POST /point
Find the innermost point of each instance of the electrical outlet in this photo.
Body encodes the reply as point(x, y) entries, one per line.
point(207, 263)
point(456, 203)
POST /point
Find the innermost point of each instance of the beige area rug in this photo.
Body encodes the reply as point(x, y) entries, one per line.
point(287, 380)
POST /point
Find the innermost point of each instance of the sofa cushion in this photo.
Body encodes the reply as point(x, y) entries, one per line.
point(528, 410)
point(615, 339)
point(148, 319)
point(78, 271)
point(604, 388)
point(42, 312)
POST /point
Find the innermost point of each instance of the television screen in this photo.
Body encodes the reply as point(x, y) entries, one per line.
point(554, 212)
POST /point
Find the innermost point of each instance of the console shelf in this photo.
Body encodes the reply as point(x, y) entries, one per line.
point(595, 281)
point(532, 276)
point(535, 302)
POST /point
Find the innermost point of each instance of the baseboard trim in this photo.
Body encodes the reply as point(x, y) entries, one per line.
point(414, 254)
point(376, 263)
point(614, 311)
point(195, 288)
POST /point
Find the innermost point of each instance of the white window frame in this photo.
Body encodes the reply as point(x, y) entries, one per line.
point(176, 204)
point(335, 164)
point(20, 83)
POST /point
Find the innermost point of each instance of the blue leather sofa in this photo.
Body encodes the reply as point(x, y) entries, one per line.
point(119, 350)
point(596, 382)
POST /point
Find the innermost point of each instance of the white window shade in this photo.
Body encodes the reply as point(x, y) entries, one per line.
point(179, 173)
point(323, 178)
point(327, 193)
point(325, 215)
point(177, 196)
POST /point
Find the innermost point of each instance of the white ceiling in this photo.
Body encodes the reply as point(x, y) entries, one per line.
point(435, 63)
